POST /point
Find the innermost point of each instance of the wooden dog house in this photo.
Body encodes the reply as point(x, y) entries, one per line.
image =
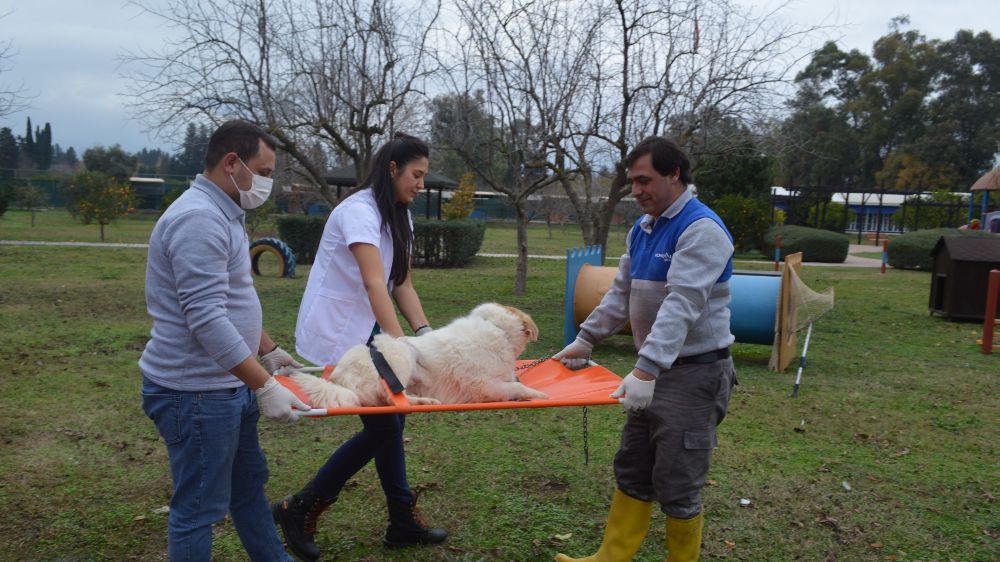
point(960, 275)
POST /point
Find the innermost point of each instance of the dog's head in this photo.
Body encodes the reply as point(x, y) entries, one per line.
point(518, 326)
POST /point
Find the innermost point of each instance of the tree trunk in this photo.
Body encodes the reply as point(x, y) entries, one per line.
point(102, 232)
point(521, 277)
point(32, 218)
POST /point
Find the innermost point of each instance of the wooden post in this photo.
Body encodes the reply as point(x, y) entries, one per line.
point(885, 254)
point(990, 315)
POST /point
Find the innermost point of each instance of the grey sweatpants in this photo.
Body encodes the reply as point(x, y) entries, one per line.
point(666, 449)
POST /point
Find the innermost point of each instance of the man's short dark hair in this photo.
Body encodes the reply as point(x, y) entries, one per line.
point(667, 157)
point(241, 137)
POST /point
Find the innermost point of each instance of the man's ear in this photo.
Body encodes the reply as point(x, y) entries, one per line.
point(230, 162)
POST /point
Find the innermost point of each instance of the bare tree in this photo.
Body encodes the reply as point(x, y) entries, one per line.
point(12, 97)
point(671, 69)
point(359, 66)
point(522, 55)
point(341, 72)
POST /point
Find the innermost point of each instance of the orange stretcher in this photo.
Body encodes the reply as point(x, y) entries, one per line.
point(589, 386)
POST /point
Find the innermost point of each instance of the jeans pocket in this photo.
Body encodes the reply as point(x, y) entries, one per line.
point(164, 410)
point(700, 440)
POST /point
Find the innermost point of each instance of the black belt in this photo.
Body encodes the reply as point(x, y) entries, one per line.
point(703, 358)
point(384, 370)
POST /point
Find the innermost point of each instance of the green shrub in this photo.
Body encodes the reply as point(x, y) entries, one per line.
point(446, 243)
point(816, 244)
point(302, 234)
point(6, 196)
point(829, 216)
point(746, 217)
point(913, 249)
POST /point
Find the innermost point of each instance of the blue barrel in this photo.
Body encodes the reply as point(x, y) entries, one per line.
point(754, 305)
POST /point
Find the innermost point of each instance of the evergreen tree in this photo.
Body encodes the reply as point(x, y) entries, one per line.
point(190, 158)
point(42, 154)
point(27, 148)
point(8, 153)
point(113, 161)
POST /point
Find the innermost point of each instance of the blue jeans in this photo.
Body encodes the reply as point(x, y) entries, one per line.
point(382, 440)
point(217, 465)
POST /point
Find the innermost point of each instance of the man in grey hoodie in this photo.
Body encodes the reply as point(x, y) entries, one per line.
point(673, 287)
point(202, 384)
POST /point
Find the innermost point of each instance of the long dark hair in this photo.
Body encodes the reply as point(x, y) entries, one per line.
point(402, 149)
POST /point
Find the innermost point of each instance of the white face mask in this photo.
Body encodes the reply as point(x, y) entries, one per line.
point(260, 190)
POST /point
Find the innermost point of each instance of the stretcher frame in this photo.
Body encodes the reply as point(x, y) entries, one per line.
point(590, 386)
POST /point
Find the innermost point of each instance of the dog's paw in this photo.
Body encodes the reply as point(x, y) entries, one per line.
point(529, 393)
point(422, 400)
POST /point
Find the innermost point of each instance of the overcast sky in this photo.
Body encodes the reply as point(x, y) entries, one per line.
point(65, 54)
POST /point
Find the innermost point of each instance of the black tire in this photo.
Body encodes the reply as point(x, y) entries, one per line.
point(277, 248)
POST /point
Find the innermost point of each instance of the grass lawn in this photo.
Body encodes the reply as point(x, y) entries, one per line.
point(872, 255)
point(899, 405)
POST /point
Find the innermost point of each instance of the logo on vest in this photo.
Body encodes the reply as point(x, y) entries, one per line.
point(664, 256)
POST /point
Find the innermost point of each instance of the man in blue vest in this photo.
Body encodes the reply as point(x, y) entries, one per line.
point(673, 287)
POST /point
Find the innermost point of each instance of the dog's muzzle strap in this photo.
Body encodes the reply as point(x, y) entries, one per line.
point(385, 371)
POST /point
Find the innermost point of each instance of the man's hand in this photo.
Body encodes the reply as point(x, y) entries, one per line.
point(575, 355)
point(637, 388)
point(277, 359)
point(277, 402)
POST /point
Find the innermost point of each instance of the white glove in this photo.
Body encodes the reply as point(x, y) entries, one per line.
point(425, 329)
point(638, 393)
point(277, 402)
point(277, 359)
point(575, 355)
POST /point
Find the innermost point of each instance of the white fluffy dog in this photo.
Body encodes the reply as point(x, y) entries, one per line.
point(472, 359)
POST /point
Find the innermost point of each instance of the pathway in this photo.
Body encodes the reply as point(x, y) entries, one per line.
point(851, 261)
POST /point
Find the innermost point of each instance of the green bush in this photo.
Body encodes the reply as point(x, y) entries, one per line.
point(829, 216)
point(446, 243)
point(302, 234)
point(746, 217)
point(436, 243)
point(816, 244)
point(913, 249)
point(6, 196)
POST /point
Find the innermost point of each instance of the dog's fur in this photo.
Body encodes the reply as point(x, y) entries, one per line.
point(472, 359)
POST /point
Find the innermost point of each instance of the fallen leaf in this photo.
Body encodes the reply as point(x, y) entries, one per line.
point(562, 537)
point(902, 452)
point(846, 485)
point(712, 482)
point(139, 518)
point(875, 545)
point(729, 544)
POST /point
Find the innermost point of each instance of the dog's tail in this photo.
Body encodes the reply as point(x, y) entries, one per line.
point(325, 394)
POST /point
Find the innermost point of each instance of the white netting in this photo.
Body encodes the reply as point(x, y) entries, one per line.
point(809, 304)
point(805, 306)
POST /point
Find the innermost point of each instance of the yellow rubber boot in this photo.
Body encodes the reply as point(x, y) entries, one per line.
point(628, 523)
point(684, 538)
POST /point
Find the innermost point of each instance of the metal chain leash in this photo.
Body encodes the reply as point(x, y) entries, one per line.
point(534, 363)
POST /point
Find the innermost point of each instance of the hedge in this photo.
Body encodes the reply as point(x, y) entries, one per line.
point(816, 244)
point(913, 249)
point(436, 243)
point(302, 234)
point(446, 243)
